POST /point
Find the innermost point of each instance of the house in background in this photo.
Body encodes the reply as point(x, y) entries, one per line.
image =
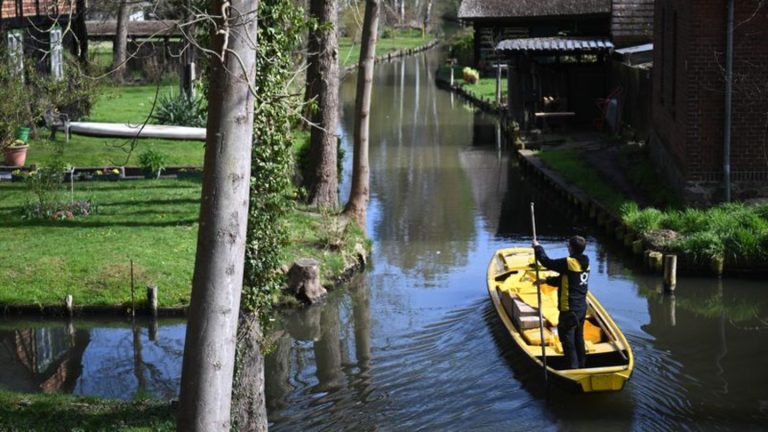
point(690, 138)
point(34, 28)
point(624, 22)
point(557, 53)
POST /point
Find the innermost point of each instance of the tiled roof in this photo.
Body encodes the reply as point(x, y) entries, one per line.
point(478, 9)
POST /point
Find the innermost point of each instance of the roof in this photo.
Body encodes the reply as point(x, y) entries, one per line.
point(558, 44)
point(479, 9)
point(148, 28)
point(636, 49)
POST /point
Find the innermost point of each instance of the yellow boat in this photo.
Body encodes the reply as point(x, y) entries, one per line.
point(511, 276)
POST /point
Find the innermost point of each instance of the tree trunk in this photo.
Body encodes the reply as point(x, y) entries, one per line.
point(320, 176)
point(209, 354)
point(249, 412)
point(120, 46)
point(358, 199)
point(427, 18)
point(81, 32)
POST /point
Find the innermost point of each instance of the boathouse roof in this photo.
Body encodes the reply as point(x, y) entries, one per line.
point(490, 9)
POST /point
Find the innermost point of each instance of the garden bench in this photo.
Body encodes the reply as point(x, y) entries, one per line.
point(55, 120)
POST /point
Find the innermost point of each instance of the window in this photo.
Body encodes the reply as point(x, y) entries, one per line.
point(57, 61)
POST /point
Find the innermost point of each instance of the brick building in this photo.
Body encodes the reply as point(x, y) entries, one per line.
point(36, 28)
point(689, 98)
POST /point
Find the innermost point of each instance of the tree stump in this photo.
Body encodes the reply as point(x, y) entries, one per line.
point(304, 280)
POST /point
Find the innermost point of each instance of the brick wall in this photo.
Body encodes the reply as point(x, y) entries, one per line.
point(631, 21)
point(689, 91)
point(29, 8)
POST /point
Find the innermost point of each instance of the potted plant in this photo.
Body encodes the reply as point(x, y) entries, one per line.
point(15, 153)
point(153, 163)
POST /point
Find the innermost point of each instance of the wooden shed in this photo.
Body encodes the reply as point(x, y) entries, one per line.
point(623, 22)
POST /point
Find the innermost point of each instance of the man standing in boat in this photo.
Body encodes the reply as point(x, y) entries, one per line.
point(572, 286)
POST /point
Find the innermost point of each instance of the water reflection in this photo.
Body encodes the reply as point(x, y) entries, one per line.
point(43, 359)
point(88, 358)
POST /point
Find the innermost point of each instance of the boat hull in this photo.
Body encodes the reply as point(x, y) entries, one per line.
point(510, 286)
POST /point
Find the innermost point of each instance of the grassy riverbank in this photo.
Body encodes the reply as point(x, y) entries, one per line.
point(393, 40)
point(152, 223)
point(736, 233)
point(53, 412)
point(484, 88)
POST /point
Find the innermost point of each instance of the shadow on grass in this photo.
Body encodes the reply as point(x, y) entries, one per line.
point(91, 224)
point(151, 202)
point(56, 413)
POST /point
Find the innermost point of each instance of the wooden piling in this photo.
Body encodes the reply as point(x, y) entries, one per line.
point(152, 299)
point(655, 260)
point(637, 247)
point(69, 305)
point(717, 264)
point(670, 272)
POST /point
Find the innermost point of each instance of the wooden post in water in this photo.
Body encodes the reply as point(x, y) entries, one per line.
point(670, 272)
point(69, 305)
point(717, 265)
point(655, 260)
point(152, 299)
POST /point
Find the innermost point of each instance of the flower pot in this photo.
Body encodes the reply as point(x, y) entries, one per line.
point(22, 133)
point(16, 155)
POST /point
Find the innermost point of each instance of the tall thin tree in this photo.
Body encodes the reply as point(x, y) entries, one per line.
point(209, 353)
point(356, 207)
point(320, 176)
point(120, 44)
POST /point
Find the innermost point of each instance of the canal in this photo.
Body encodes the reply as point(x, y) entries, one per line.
point(414, 343)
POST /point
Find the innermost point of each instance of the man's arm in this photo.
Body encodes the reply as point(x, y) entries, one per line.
point(559, 265)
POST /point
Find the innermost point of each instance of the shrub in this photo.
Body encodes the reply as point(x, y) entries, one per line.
point(57, 210)
point(700, 246)
point(153, 162)
point(471, 76)
point(180, 110)
point(461, 47)
point(641, 220)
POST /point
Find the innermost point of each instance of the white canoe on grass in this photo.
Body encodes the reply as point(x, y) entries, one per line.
point(127, 130)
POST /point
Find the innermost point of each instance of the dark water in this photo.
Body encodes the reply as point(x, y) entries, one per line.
point(413, 344)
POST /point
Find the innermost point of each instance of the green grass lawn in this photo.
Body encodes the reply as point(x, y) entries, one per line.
point(127, 104)
point(572, 166)
point(53, 412)
point(349, 52)
point(485, 88)
point(150, 222)
point(153, 223)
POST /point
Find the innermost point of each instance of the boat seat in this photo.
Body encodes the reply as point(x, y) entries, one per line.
point(533, 337)
point(592, 333)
